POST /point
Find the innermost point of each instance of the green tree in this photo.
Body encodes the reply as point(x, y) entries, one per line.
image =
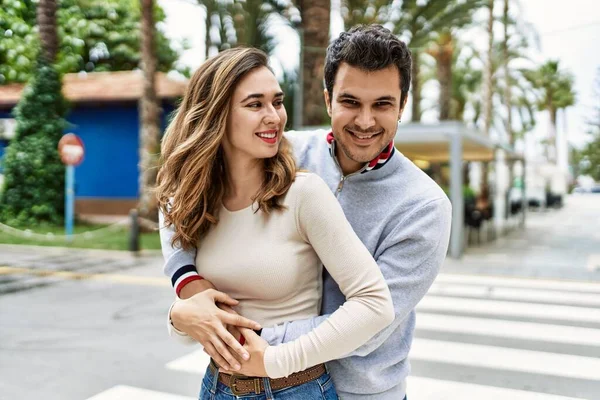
point(421, 22)
point(442, 50)
point(365, 12)
point(93, 35)
point(314, 33)
point(555, 91)
point(33, 173)
point(241, 22)
point(33, 189)
point(150, 111)
point(589, 157)
point(466, 82)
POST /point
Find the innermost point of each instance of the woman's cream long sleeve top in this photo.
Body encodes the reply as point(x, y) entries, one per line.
point(272, 263)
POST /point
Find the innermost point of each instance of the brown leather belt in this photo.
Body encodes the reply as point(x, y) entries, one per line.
point(241, 385)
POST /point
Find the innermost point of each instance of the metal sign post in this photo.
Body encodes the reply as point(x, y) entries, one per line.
point(69, 201)
point(71, 150)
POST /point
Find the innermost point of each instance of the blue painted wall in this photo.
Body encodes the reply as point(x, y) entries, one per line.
point(3, 143)
point(110, 137)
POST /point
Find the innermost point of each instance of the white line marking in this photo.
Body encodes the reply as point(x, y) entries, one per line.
point(520, 282)
point(510, 308)
point(194, 363)
point(502, 358)
point(434, 389)
point(509, 329)
point(503, 293)
point(122, 392)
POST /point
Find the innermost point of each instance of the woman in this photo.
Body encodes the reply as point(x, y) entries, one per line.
point(228, 187)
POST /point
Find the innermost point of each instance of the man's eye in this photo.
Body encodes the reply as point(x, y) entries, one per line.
point(350, 102)
point(383, 104)
point(278, 103)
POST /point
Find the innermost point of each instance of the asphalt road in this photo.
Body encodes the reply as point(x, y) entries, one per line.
point(95, 327)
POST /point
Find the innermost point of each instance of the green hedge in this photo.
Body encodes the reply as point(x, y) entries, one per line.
point(34, 176)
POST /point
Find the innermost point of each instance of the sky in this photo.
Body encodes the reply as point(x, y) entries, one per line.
point(569, 31)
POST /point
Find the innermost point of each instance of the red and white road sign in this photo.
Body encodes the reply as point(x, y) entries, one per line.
point(71, 150)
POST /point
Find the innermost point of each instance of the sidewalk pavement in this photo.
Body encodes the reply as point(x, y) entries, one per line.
point(25, 267)
point(556, 244)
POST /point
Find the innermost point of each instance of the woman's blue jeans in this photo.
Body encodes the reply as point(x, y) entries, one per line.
point(320, 388)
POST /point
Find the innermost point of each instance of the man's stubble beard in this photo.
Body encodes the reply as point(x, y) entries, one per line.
point(354, 157)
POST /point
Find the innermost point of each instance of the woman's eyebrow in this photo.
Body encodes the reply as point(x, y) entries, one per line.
point(260, 96)
point(253, 96)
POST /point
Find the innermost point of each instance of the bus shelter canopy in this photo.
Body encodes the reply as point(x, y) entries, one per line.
point(431, 142)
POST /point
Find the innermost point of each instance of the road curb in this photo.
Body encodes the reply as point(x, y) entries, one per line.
point(60, 249)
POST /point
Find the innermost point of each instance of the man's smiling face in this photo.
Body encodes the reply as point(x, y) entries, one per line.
point(364, 109)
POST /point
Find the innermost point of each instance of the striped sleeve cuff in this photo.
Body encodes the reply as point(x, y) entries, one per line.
point(183, 276)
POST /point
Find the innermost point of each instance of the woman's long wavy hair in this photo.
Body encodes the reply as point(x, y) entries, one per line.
point(191, 178)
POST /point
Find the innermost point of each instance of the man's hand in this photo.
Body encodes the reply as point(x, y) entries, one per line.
point(200, 318)
point(256, 346)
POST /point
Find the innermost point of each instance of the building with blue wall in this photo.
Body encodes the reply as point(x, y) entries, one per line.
point(104, 114)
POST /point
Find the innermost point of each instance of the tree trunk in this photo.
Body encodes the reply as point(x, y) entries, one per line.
point(416, 88)
point(315, 30)
point(487, 101)
point(46, 20)
point(508, 102)
point(507, 87)
point(149, 116)
point(444, 74)
point(208, 27)
point(551, 147)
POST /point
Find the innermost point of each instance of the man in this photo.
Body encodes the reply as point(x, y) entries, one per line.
point(397, 211)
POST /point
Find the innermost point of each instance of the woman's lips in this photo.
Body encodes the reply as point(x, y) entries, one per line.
point(269, 137)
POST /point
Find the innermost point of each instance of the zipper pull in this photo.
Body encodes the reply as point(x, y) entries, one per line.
point(340, 185)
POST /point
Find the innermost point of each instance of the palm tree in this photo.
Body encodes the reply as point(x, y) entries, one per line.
point(507, 88)
point(46, 19)
point(555, 92)
point(314, 34)
point(242, 22)
point(211, 8)
point(365, 12)
point(489, 71)
point(466, 83)
point(420, 22)
point(251, 18)
point(442, 50)
point(149, 115)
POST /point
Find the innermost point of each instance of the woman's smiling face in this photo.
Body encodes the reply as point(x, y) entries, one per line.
point(256, 117)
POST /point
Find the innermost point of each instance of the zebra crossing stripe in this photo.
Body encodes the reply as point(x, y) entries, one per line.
point(434, 389)
point(419, 388)
point(580, 287)
point(504, 293)
point(503, 358)
point(123, 392)
point(486, 306)
point(509, 308)
point(509, 329)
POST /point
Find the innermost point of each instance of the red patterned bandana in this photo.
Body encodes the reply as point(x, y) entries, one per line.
point(375, 163)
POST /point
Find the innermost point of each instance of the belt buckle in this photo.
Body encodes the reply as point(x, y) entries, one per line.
point(233, 380)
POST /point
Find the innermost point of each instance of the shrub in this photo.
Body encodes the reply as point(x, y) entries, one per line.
point(34, 176)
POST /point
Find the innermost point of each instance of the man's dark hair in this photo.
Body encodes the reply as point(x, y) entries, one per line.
point(370, 48)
